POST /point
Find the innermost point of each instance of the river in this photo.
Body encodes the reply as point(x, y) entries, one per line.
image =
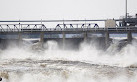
point(88, 64)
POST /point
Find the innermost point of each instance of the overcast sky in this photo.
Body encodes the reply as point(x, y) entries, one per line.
point(64, 9)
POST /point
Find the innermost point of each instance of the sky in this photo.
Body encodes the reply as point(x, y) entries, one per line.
point(64, 9)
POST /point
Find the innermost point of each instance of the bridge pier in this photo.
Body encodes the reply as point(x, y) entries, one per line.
point(107, 39)
point(129, 37)
point(20, 38)
point(41, 38)
point(85, 36)
point(64, 37)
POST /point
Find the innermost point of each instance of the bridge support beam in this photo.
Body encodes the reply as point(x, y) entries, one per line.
point(41, 38)
point(64, 38)
point(107, 39)
point(129, 37)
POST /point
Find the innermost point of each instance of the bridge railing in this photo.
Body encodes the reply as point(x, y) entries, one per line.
point(42, 27)
point(21, 27)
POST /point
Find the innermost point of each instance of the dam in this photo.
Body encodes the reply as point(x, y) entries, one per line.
point(65, 32)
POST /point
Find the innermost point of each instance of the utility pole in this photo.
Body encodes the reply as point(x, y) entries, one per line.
point(126, 9)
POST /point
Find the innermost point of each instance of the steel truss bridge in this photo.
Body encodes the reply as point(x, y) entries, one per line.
point(68, 28)
point(41, 27)
point(63, 28)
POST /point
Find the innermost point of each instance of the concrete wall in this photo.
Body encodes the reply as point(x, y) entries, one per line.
point(110, 23)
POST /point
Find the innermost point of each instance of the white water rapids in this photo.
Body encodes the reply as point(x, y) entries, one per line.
point(88, 64)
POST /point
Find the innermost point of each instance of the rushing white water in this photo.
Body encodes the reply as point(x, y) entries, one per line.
point(88, 64)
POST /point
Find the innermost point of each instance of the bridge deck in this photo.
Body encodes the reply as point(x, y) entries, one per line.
point(71, 30)
point(66, 28)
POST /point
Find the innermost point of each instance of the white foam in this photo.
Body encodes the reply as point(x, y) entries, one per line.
point(87, 53)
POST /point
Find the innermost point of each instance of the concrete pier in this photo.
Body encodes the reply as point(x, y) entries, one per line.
point(20, 38)
point(107, 39)
point(64, 39)
point(41, 38)
point(85, 36)
point(129, 37)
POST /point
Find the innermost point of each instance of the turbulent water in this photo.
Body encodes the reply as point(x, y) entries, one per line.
point(88, 64)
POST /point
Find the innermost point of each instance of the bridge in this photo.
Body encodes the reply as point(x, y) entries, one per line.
point(20, 28)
